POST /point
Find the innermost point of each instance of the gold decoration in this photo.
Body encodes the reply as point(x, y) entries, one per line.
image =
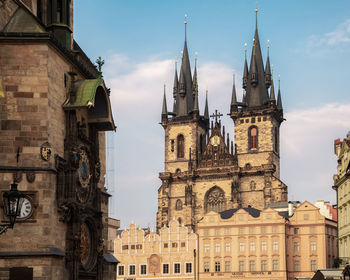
point(85, 244)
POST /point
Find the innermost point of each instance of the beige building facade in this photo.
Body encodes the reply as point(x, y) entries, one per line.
point(342, 187)
point(247, 243)
point(169, 254)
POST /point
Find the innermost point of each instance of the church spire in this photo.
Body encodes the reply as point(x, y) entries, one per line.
point(185, 100)
point(267, 67)
point(206, 109)
point(234, 96)
point(272, 91)
point(256, 90)
point(245, 72)
point(195, 80)
point(175, 88)
point(279, 98)
point(164, 108)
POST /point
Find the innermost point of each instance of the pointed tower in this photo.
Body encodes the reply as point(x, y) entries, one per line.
point(279, 97)
point(185, 134)
point(234, 95)
point(175, 89)
point(206, 109)
point(272, 92)
point(164, 110)
point(257, 120)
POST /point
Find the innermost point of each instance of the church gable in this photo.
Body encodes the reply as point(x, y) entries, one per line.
point(217, 152)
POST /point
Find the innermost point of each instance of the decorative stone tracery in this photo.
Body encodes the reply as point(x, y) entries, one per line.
point(215, 200)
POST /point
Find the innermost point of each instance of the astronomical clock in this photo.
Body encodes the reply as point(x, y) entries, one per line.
point(79, 191)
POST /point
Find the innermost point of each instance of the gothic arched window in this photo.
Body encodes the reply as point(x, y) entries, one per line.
point(178, 205)
point(215, 200)
point(253, 137)
point(180, 146)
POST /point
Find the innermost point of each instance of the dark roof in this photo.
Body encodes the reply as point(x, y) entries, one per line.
point(255, 213)
point(110, 258)
point(284, 214)
point(256, 95)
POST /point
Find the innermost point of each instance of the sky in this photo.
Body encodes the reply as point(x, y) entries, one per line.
point(140, 40)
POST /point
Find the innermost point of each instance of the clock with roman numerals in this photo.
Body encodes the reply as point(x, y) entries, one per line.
point(26, 209)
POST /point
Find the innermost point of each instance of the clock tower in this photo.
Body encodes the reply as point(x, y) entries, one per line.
point(55, 112)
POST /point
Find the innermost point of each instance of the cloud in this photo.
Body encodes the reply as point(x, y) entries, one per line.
point(307, 159)
point(339, 36)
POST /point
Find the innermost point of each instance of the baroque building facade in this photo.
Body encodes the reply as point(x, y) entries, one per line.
point(169, 254)
point(55, 109)
point(342, 187)
point(203, 170)
point(247, 243)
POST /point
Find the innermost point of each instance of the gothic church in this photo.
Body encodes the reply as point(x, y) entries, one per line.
point(203, 170)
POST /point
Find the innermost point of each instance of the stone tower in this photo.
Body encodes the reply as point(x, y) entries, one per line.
point(204, 170)
point(54, 112)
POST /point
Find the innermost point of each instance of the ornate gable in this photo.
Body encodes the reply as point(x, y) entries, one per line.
point(217, 152)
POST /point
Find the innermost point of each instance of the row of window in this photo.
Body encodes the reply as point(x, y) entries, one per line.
point(252, 246)
point(313, 265)
point(313, 246)
point(143, 269)
point(165, 245)
point(132, 247)
point(241, 230)
point(241, 266)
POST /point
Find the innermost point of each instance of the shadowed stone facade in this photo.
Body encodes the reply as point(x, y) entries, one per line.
point(52, 142)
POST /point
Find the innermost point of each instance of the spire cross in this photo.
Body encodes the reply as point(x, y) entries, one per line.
point(216, 116)
point(100, 63)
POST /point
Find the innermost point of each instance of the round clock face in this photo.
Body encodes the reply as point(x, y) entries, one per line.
point(215, 140)
point(85, 245)
point(26, 209)
point(84, 177)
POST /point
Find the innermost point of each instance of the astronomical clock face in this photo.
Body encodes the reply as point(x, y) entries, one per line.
point(215, 140)
point(85, 245)
point(84, 176)
point(26, 209)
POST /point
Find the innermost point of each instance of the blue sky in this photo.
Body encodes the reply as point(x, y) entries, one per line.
point(309, 48)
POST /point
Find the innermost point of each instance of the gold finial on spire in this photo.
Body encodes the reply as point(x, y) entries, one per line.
point(245, 50)
point(195, 58)
point(268, 47)
point(256, 15)
point(272, 71)
point(176, 62)
point(185, 22)
point(279, 82)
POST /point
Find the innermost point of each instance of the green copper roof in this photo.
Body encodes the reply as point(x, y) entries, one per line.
point(85, 93)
